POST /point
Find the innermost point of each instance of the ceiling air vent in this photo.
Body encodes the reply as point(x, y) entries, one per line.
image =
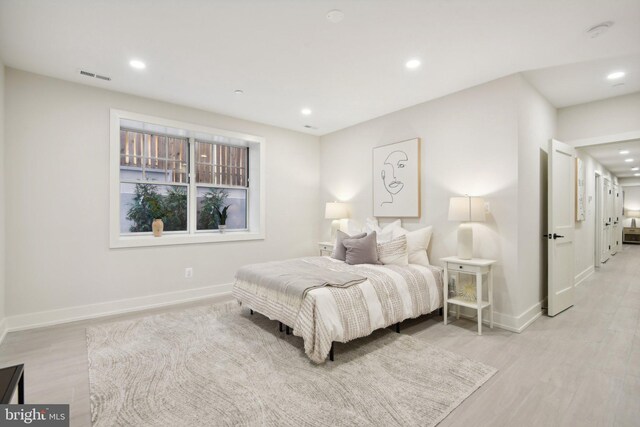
point(94, 75)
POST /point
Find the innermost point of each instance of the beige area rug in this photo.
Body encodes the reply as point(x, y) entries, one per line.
point(218, 366)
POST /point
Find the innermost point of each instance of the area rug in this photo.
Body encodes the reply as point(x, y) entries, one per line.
point(218, 366)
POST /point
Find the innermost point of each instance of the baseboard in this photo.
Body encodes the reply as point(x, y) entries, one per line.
point(3, 329)
point(584, 275)
point(65, 315)
point(507, 322)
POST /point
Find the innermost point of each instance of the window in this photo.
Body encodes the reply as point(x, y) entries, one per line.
point(204, 183)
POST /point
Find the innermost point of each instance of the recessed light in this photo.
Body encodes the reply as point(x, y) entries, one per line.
point(305, 111)
point(624, 151)
point(628, 160)
point(137, 64)
point(635, 168)
point(335, 16)
point(238, 91)
point(616, 75)
point(412, 64)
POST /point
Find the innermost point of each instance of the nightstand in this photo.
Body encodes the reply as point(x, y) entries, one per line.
point(326, 248)
point(630, 235)
point(477, 267)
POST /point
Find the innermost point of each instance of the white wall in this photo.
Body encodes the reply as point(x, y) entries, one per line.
point(470, 144)
point(584, 237)
point(57, 137)
point(536, 126)
point(612, 116)
point(2, 204)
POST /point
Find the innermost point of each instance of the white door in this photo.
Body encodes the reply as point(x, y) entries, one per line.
point(615, 218)
point(606, 221)
point(561, 219)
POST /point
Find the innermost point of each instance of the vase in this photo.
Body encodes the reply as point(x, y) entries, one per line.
point(222, 227)
point(157, 226)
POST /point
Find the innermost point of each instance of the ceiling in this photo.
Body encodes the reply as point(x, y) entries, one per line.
point(285, 55)
point(587, 81)
point(609, 156)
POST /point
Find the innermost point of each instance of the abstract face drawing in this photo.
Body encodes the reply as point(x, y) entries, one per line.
point(392, 173)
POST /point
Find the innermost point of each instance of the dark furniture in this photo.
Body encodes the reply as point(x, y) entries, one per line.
point(10, 378)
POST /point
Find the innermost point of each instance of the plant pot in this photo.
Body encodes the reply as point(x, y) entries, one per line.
point(222, 228)
point(157, 226)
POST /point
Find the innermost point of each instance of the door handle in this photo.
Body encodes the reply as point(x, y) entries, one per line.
point(607, 223)
point(557, 236)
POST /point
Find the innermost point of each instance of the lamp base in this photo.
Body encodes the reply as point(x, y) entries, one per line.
point(465, 241)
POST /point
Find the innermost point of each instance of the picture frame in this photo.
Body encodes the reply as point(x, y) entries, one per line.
point(580, 190)
point(396, 179)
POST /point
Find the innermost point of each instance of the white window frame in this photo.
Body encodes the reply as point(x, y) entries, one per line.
point(255, 192)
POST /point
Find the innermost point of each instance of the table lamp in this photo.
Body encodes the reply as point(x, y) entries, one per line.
point(633, 215)
point(466, 210)
point(335, 211)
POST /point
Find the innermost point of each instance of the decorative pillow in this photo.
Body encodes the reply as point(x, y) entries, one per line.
point(339, 251)
point(362, 251)
point(417, 244)
point(394, 252)
point(386, 233)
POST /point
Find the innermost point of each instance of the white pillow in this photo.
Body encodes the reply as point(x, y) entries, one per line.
point(351, 227)
point(386, 233)
point(370, 225)
point(394, 252)
point(417, 244)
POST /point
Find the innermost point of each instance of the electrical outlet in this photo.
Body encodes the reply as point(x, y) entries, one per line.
point(188, 273)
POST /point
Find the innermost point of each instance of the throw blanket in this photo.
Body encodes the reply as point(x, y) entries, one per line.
point(390, 294)
point(289, 281)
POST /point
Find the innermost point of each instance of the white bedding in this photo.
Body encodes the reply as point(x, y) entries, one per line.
point(390, 295)
point(328, 312)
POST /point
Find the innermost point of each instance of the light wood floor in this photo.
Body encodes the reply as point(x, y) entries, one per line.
point(581, 368)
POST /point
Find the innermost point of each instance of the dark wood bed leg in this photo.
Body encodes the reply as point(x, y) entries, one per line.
point(251, 311)
point(331, 352)
point(440, 311)
point(398, 327)
point(288, 330)
point(280, 326)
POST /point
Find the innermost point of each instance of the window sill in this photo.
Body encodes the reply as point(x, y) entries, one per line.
point(182, 239)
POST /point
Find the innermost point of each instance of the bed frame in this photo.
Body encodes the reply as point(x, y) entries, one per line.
point(288, 329)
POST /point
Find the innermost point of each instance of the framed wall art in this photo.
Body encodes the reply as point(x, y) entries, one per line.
point(396, 179)
point(580, 190)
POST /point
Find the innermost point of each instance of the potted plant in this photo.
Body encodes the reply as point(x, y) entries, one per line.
point(222, 218)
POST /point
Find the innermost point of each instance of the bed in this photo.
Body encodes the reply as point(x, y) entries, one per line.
point(385, 296)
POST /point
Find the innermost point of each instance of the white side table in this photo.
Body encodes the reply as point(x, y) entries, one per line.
point(477, 267)
point(326, 248)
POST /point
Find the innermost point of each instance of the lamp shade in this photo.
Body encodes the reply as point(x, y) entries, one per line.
point(466, 209)
point(631, 214)
point(336, 210)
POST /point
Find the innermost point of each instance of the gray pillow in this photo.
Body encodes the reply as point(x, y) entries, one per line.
point(339, 251)
point(363, 250)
